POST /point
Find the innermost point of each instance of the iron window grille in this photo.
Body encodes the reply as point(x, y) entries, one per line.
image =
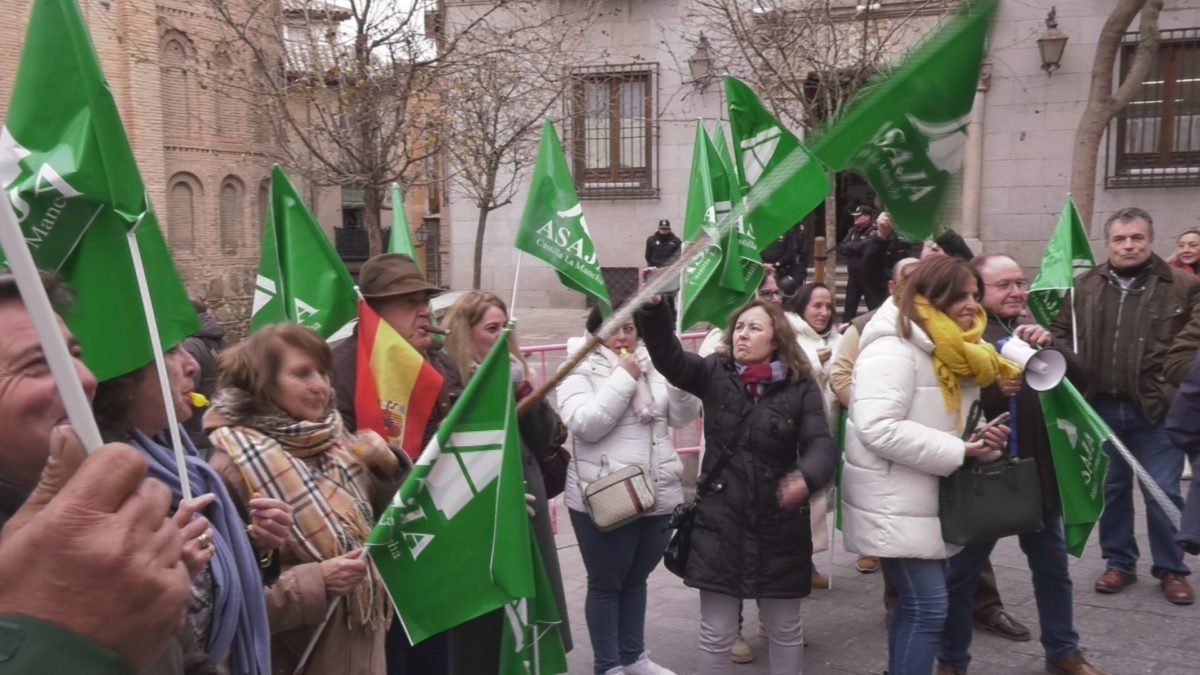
point(614, 130)
point(1155, 140)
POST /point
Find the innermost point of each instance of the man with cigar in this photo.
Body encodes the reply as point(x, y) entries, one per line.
point(393, 286)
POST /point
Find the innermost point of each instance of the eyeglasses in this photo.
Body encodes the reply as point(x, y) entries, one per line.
point(1006, 286)
point(770, 294)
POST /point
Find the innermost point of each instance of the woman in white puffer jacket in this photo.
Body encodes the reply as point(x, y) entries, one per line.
point(818, 336)
point(921, 363)
point(619, 410)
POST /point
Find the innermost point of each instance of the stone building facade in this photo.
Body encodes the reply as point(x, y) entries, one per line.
point(1017, 159)
point(202, 144)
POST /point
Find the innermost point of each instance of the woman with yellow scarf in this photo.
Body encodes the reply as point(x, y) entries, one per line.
point(921, 364)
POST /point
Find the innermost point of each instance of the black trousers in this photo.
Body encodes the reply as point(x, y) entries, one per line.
point(855, 290)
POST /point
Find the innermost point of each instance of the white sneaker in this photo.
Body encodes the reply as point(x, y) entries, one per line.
point(615, 671)
point(644, 666)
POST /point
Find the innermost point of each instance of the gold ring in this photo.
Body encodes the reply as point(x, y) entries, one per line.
point(204, 540)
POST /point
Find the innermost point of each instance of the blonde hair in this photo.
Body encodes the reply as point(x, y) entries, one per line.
point(464, 314)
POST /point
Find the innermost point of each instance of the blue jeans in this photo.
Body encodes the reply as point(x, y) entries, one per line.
point(617, 564)
point(1163, 460)
point(1046, 552)
point(920, 614)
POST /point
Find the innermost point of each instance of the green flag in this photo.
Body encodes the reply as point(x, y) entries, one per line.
point(553, 228)
point(69, 174)
point(727, 273)
point(401, 239)
point(454, 544)
point(531, 643)
point(790, 183)
point(1077, 435)
point(1067, 254)
point(300, 276)
point(906, 132)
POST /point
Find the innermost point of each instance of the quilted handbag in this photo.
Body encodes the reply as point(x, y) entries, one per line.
point(619, 498)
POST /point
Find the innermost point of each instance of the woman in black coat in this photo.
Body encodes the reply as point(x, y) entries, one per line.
point(751, 536)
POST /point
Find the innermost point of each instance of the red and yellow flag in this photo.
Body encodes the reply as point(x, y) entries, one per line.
point(396, 387)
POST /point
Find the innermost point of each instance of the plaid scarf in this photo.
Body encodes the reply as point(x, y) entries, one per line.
point(756, 376)
point(312, 466)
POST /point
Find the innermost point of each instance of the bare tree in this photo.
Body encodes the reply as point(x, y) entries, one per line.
point(805, 58)
point(1103, 103)
point(494, 105)
point(347, 87)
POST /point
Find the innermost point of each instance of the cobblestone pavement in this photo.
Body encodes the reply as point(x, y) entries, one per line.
point(1132, 633)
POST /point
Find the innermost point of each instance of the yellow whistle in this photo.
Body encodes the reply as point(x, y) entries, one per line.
point(624, 351)
point(197, 400)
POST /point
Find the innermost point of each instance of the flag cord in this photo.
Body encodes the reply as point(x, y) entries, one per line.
point(160, 363)
point(1148, 484)
point(512, 306)
point(45, 323)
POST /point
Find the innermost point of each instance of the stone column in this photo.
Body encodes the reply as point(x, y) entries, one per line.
point(972, 170)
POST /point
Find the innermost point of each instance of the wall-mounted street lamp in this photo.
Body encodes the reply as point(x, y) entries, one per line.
point(700, 64)
point(1052, 43)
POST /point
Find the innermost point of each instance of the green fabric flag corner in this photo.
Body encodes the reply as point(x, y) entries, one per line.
point(70, 176)
point(906, 131)
point(1067, 254)
point(301, 278)
point(401, 238)
point(455, 543)
point(531, 643)
point(552, 227)
point(729, 270)
point(1077, 435)
point(780, 180)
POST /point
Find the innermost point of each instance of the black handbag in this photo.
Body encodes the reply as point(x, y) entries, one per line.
point(684, 516)
point(983, 502)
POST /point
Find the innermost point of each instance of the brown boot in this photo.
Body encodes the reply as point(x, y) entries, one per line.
point(819, 580)
point(867, 564)
point(1074, 664)
point(1176, 588)
point(947, 669)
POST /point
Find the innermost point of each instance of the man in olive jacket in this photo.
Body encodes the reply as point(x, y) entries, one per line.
point(1129, 311)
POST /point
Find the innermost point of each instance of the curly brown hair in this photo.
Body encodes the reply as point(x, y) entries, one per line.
point(786, 349)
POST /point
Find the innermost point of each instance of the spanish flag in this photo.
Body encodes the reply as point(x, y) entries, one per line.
point(396, 387)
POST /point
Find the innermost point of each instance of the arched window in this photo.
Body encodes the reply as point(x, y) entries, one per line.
point(230, 215)
point(178, 86)
point(227, 108)
point(264, 200)
point(183, 195)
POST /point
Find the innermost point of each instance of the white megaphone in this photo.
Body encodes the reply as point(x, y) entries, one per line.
point(1043, 368)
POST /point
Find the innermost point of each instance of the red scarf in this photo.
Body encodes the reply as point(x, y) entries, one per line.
point(754, 376)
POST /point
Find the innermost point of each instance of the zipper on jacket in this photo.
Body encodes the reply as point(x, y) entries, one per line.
point(1116, 340)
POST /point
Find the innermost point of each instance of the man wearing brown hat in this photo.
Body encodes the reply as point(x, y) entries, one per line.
point(395, 288)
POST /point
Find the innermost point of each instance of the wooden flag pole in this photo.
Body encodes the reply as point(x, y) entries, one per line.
point(160, 362)
point(512, 306)
point(45, 323)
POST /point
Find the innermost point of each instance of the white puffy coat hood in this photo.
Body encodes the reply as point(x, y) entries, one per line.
point(594, 402)
point(900, 440)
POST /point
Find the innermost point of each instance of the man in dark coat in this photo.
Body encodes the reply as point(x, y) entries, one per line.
point(663, 246)
point(1132, 308)
point(851, 250)
point(1005, 290)
point(787, 255)
point(394, 286)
